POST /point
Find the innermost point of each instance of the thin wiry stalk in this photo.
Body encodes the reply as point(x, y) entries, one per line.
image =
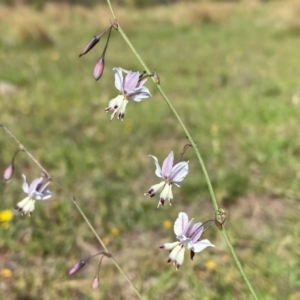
point(73, 198)
point(195, 147)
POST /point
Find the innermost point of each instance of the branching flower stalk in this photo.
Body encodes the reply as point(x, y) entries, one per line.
point(195, 147)
point(73, 198)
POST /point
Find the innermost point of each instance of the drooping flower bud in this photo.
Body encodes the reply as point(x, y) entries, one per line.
point(95, 283)
point(8, 172)
point(99, 68)
point(79, 265)
point(92, 43)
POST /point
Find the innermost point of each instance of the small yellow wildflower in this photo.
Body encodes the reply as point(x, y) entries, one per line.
point(55, 204)
point(99, 137)
point(55, 56)
point(26, 110)
point(128, 127)
point(167, 224)
point(201, 275)
point(228, 277)
point(114, 231)
point(106, 240)
point(214, 129)
point(6, 215)
point(5, 225)
point(5, 273)
point(210, 265)
point(225, 258)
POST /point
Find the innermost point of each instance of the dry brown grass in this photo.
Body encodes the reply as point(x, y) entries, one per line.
point(288, 15)
point(207, 12)
point(22, 24)
point(27, 25)
point(190, 13)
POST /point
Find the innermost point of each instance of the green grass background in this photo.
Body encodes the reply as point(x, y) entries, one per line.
point(232, 72)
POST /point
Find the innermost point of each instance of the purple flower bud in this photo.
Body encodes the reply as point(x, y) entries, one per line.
point(93, 42)
point(8, 172)
point(95, 283)
point(99, 68)
point(77, 267)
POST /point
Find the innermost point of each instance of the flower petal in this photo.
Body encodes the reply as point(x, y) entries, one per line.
point(195, 232)
point(166, 194)
point(177, 255)
point(169, 246)
point(154, 189)
point(180, 223)
point(170, 195)
point(168, 165)
point(158, 172)
point(179, 172)
point(122, 109)
point(25, 186)
point(138, 94)
point(35, 185)
point(25, 206)
point(118, 79)
point(185, 241)
point(201, 245)
point(130, 81)
point(118, 104)
point(142, 82)
point(28, 207)
point(44, 196)
point(43, 187)
point(179, 259)
point(187, 227)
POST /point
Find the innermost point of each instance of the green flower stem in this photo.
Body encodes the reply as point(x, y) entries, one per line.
point(73, 198)
point(201, 162)
point(237, 261)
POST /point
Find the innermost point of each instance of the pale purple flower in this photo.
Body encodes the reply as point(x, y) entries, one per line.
point(171, 174)
point(36, 191)
point(188, 237)
point(131, 88)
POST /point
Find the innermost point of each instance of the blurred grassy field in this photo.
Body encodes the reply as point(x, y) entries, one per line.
point(231, 70)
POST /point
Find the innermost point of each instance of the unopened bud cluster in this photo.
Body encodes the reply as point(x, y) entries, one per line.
point(100, 64)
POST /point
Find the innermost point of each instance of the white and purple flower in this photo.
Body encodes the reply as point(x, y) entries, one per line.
point(188, 237)
point(35, 191)
point(131, 87)
point(171, 174)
